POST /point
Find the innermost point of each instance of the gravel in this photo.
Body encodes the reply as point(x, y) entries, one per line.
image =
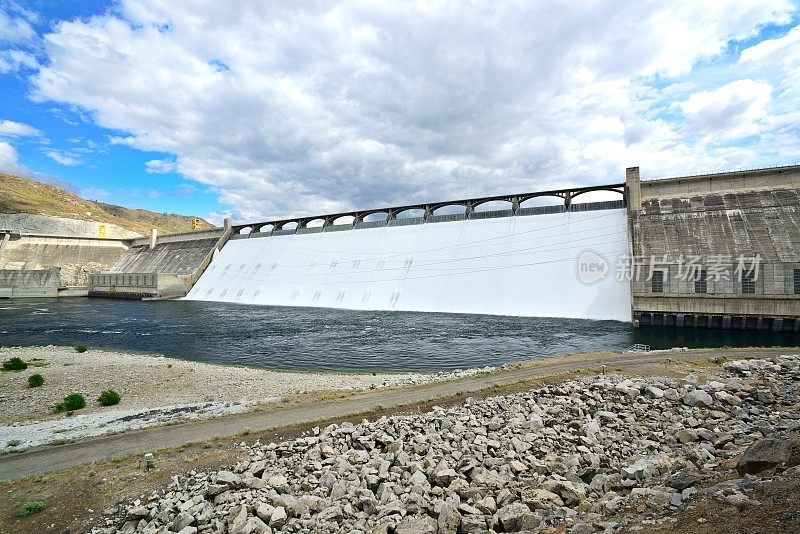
point(585, 455)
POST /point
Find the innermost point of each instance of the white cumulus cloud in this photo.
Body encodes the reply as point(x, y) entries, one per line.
point(310, 107)
point(63, 158)
point(13, 128)
point(160, 166)
point(732, 111)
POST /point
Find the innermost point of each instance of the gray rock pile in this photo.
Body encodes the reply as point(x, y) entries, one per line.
point(577, 454)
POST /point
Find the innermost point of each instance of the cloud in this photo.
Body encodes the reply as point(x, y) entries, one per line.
point(160, 166)
point(94, 193)
point(63, 158)
point(9, 162)
point(732, 111)
point(310, 107)
point(17, 129)
point(15, 25)
point(785, 49)
point(13, 60)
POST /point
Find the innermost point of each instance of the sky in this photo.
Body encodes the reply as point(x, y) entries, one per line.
point(261, 110)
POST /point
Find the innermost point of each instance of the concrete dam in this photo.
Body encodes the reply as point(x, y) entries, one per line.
point(523, 265)
point(718, 250)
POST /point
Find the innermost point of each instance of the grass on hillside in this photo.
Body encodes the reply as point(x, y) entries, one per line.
point(20, 195)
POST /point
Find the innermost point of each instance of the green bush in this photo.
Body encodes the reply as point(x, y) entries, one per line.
point(81, 348)
point(14, 364)
point(34, 381)
point(30, 508)
point(73, 401)
point(109, 398)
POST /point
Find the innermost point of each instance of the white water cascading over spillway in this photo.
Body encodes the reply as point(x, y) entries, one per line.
point(521, 265)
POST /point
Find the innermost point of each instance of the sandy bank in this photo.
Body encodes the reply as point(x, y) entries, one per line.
point(155, 390)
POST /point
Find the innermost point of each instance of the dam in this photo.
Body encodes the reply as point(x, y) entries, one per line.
point(711, 251)
point(520, 265)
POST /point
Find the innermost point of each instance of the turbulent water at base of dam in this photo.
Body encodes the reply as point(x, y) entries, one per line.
point(523, 266)
point(324, 339)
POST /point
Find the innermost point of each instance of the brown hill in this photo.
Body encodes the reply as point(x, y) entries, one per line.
point(20, 195)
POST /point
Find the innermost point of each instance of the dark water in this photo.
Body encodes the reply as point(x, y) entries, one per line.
point(323, 339)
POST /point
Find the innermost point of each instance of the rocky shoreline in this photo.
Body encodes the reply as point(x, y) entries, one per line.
point(600, 454)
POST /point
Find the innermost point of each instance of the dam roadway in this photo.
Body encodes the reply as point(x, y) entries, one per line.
point(386, 401)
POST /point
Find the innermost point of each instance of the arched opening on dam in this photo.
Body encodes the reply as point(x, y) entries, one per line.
point(539, 201)
point(448, 209)
point(603, 195)
point(263, 229)
point(410, 213)
point(375, 216)
point(343, 220)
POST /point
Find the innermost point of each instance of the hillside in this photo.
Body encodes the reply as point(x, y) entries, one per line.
point(20, 195)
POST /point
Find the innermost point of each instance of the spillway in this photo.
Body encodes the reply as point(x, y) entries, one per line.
point(518, 265)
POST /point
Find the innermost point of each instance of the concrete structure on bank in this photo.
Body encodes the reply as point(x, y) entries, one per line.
point(160, 267)
point(166, 266)
point(33, 265)
point(717, 250)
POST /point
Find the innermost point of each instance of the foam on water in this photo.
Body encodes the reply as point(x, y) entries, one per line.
point(524, 266)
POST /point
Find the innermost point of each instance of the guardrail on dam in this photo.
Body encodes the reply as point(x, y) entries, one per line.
point(428, 212)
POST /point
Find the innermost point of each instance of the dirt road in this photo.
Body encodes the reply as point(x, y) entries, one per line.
point(48, 459)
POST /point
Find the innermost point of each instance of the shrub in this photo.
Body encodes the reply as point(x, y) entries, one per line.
point(14, 364)
point(34, 381)
point(109, 398)
point(73, 401)
point(30, 508)
point(81, 348)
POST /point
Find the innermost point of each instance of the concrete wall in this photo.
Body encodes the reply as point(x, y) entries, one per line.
point(75, 257)
point(724, 182)
point(161, 266)
point(30, 283)
point(513, 265)
point(722, 224)
point(48, 251)
point(173, 257)
point(144, 285)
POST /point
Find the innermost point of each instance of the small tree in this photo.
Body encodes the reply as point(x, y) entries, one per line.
point(34, 381)
point(109, 398)
point(81, 348)
point(73, 401)
point(15, 364)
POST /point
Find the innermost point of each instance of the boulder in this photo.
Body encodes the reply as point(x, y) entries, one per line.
point(278, 517)
point(541, 498)
point(697, 397)
point(768, 453)
point(569, 493)
point(449, 518)
point(417, 525)
point(472, 524)
point(516, 517)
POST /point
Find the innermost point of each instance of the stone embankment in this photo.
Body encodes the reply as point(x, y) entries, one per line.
point(585, 455)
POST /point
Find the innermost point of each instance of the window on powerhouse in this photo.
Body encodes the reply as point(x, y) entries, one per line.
point(657, 282)
point(701, 282)
point(748, 283)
